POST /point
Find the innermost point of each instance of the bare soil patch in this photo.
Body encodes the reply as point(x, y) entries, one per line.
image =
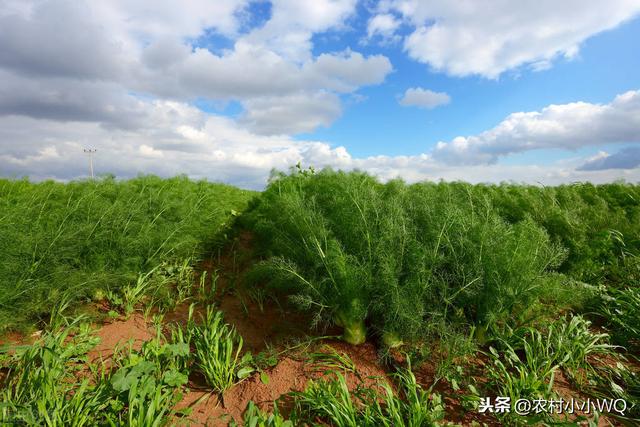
point(134, 330)
point(292, 373)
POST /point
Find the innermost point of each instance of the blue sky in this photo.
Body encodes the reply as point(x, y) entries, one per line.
point(608, 64)
point(228, 90)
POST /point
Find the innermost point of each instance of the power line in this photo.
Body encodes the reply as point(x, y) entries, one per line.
point(90, 152)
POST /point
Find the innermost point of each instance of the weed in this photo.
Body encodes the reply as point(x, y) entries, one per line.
point(526, 368)
point(620, 310)
point(573, 342)
point(330, 360)
point(330, 400)
point(618, 382)
point(133, 294)
point(142, 399)
point(41, 385)
point(217, 351)
point(415, 407)
point(266, 359)
point(208, 293)
point(254, 417)
point(173, 283)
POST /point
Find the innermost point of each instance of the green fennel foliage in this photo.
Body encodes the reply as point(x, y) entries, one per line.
point(401, 259)
point(86, 237)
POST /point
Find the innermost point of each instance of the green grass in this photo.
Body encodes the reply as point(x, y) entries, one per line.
point(86, 238)
point(329, 400)
point(620, 309)
point(41, 382)
point(46, 386)
point(255, 417)
point(218, 350)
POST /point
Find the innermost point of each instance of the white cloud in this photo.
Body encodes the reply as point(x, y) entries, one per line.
point(290, 114)
point(177, 138)
point(165, 52)
point(66, 100)
point(149, 19)
point(423, 167)
point(59, 39)
point(148, 151)
point(119, 76)
point(567, 126)
point(383, 25)
point(626, 158)
point(489, 37)
point(293, 22)
point(346, 71)
point(253, 71)
point(84, 57)
point(424, 98)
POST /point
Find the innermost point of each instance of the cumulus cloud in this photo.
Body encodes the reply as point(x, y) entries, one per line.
point(290, 114)
point(348, 70)
point(489, 37)
point(150, 19)
point(84, 56)
point(121, 76)
point(568, 126)
point(178, 138)
point(627, 158)
point(59, 39)
point(101, 40)
point(69, 100)
point(202, 145)
point(383, 25)
point(424, 98)
point(253, 71)
point(423, 167)
point(293, 23)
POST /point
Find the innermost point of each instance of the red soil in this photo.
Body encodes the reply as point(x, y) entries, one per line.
point(290, 374)
point(119, 334)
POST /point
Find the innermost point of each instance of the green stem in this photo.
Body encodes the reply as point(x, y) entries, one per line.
point(355, 332)
point(391, 340)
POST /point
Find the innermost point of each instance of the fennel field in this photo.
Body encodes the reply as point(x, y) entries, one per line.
point(71, 241)
point(453, 293)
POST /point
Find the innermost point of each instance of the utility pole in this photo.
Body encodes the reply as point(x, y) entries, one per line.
point(90, 152)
